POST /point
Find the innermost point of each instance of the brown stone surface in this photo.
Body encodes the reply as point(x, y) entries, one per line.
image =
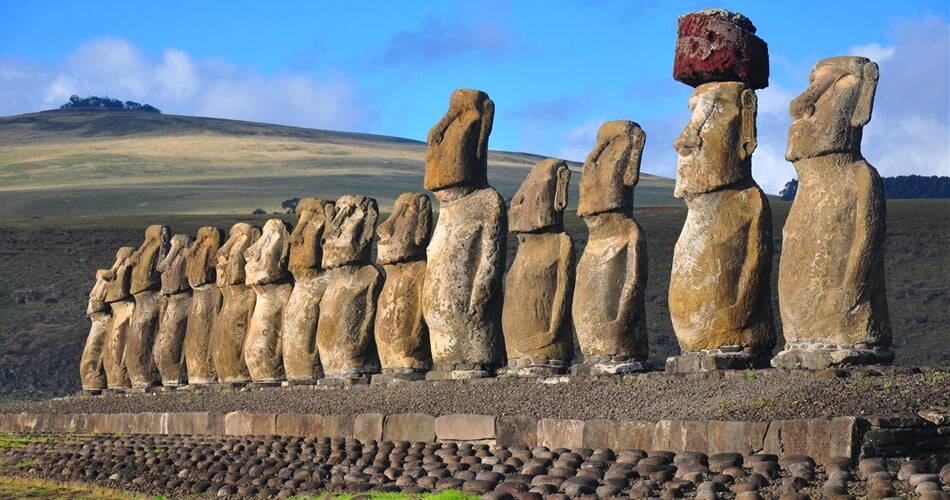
point(458, 145)
point(465, 427)
point(368, 426)
point(113, 357)
point(306, 248)
point(173, 266)
point(201, 257)
point(601, 433)
point(348, 307)
point(539, 287)
point(719, 285)
point(514, 430)
point(205, 306)
point(560, 433)
point(715, 45)
point(266, 273)
point(250, 424)
point(230, 325)
point(402, 336)
point(145, 260)
point(608, 306)
point(91, 369)
point(145, 285)
point(168, 350)
point(831, 275)
point(412, 427)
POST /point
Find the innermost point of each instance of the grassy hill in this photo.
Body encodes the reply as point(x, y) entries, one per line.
point(87, 162)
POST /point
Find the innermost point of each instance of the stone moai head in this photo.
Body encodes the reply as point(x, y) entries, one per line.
point(541, 199)
point(120, 275)
point(715, 149)
point(266, 259)
point(145, 260)
point(202, 256)
point(306, 242)
point(231, 262)
point(611, 169)
point(172, 267)
point(457, 155)
point(349, 238)
point(97, 296)
point(829, 116)
point(405, 234)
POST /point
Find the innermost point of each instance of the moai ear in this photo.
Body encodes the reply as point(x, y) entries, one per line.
point(488, 117)
point(747, 138)
point(631, 173)
point(560, 191)
point(423, 226)
point(371, 211)
point(862, 111)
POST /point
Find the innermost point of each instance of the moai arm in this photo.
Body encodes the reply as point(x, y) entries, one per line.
point(565, 281)
point(370, 295)
point(493, 236)
point(870, 212)
point(635, 280)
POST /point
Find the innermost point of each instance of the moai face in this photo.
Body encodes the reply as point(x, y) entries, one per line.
point(829, 116)
point(267, 257)
point(405, 234)
point(611, 169)
point(458, 145)
point(715, 149)
point(97, 296)
point(145, 260)
point(202, 256)
point(541, 199)
point(231, 262)
point(120, 275)
point(349, 238)
point(172, 267)
point(306, 251)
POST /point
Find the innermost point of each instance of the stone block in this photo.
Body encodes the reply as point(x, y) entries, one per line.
point(715, 45)
point(368, 427)
point(517, 431)
point(695, 436)
point(466, 428)
point(341, 426)
point(300, 424)
point(772, 443)
point(197, 423)
point(560, 433)
point(116, 423)
point(739, 437)
point(242, 423)
point(413, 427)
point(668, 436)
point(635, 435)
point(600, 433)
point(819, 439)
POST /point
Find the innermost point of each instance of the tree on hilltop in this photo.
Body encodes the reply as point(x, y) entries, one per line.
point(108, 103)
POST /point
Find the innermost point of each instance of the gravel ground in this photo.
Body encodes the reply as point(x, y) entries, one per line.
point(759, 395)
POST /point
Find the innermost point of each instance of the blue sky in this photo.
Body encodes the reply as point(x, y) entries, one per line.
point(555, 69)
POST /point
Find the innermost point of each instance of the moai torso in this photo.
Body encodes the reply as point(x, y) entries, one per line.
point(91, 368)
point(200, 261)
point(230, 326)
point(266, 272)
point(348, 307)
point(831, 275)
point(608, 306)
point(462, 295)
point(539, 287)
point(121, 304)
point(146, 288)
point(168, 350)
point(402, 336)
point(300, 354)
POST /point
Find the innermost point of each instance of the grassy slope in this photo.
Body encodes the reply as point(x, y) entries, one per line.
point(99, 162)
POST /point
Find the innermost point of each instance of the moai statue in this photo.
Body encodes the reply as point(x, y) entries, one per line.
point(348, 308)
point(608, 306)
point(91, 369)
point(146, 284)
point(230, 325)
point(462, 296)
point(200, 261)
point(719, 295)
point(402, 337)
point(266, 273)
point(299, 344)
point(831, 275)
point(536, 319)
point(168, 351)
point(122, 305)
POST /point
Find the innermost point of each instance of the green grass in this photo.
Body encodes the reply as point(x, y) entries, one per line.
point(443, 495)
point(15, 487)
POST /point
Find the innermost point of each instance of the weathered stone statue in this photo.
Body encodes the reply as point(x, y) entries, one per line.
point(266, 273)
point(200, 261)
point(230, 325)
point(168, 351)
point(146, 286)
point(300, 354)
point(462, 295)
point(539, 288)
point(719, 295)
point(402, 337)
point(348, 308)
point(122, 305)
point(91, 368)
point(831, 275)
point(608, 306)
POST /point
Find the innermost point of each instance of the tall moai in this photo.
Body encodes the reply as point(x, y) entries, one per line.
point(831, 274)
point(348, 307)
point(266, 273)
point(122, 305)
point(91, 368)
point(230, 325)
point(539, 287)
point(300, 354)
point(402, 336)
point(201, 259)
point(168, 351)
point(719, 296)
point(145, 286)
point(608, 306)
point(462, 295)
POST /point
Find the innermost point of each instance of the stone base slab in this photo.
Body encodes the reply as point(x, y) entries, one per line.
point(457, 374)
point(596, 369)
point(388, 378)
point(819, 357)
point(707, 361)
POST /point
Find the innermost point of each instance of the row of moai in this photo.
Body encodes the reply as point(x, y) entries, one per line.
point(269, 305)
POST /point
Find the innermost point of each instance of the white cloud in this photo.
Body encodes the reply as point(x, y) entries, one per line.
point(579, 140)
point(873, 51)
